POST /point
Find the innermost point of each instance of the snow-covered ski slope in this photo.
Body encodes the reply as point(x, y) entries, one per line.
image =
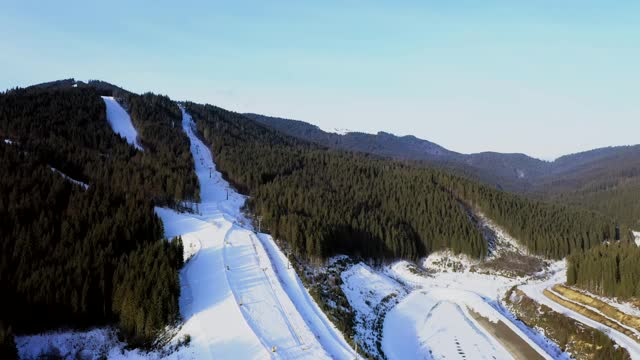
point(239, 300)
point(120, 121)
point(535, 290)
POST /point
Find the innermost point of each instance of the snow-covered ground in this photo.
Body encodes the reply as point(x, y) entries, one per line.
point(67, 344)
point(501, 242)
point(433, 321)
point(77, 182)
point(636, 235)
point(120, 121)
point(558, 275)
point(371, 295)
point(433, 324)
point(238, 298)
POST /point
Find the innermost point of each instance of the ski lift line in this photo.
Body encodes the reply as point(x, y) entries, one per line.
point(305, 294)
point(245, 315)
point(286, 319)
point(277, 299)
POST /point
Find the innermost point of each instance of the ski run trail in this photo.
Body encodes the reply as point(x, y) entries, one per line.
point(239, 300)
point(120, 121)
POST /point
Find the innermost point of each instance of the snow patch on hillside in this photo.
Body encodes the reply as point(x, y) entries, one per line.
point(636, 235)
point(99, 343)
point(445, 261)
point(500, 242)
point(77, 182)
point(371, 295)
point(341, 131)
point(120, 121)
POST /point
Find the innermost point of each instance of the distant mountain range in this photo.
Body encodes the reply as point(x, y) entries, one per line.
point(605, 179)
point(513, 171)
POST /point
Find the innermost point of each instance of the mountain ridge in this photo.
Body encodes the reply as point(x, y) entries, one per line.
point(511, 171)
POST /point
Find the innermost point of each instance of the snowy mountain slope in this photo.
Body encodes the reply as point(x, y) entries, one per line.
point(371, 295)
point(256, 305)
point(120, 121)
point(535, 290)
point(212, 317)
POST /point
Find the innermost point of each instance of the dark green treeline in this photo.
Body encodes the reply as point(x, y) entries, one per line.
point(76, 257)
point(610, 270)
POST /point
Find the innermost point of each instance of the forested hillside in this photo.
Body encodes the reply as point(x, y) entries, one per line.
point(611, 186)
point(610, 270)
point(158, 121)
point(326, 201)
point(605, 180)
point(76, 256)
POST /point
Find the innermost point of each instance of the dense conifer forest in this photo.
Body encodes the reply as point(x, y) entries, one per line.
point(324, 202)
point(82, 257)
point(609, 270)
point(615, 198)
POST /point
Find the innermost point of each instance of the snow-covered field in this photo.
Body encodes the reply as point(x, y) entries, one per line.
point(120, 121)
point(433, 324)
point(433, 321)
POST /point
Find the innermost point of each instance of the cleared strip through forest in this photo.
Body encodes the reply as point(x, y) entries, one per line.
point(591, 314)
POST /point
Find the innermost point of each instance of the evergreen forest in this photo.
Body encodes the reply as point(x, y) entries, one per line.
point(79, 257)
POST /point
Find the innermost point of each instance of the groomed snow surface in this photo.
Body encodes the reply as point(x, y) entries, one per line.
point(120, 121)
point(239, 300)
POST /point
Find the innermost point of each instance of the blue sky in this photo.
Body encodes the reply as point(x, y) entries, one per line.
point(541, 77)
